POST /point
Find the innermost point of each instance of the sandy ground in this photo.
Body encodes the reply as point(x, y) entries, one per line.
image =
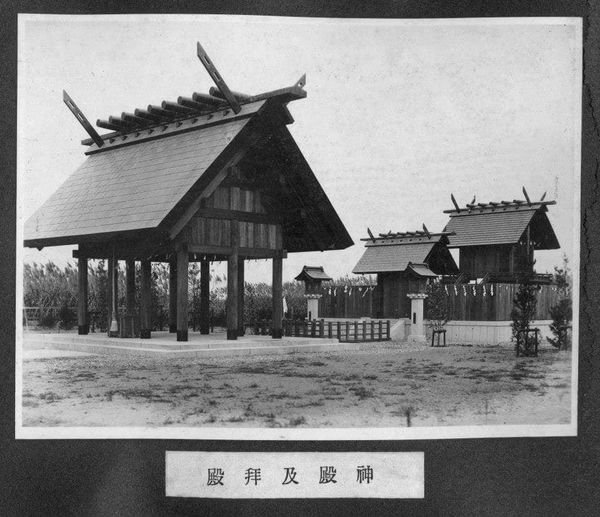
point(388, 386)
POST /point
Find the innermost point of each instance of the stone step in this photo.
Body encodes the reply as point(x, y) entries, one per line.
point(234, 348)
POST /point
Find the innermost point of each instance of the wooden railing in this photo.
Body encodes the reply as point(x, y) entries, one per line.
point(345, 331)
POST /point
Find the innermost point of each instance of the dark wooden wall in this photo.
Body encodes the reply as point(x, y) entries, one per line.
point(234, 205)
point(476, 261)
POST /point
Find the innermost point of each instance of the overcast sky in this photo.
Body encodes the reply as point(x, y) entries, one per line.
point(399, 114)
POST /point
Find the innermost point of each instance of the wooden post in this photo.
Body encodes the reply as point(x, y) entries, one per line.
point(240, 308)
point(232, 295)
point(277, 296)
point(145, 300)
point(204, 296)
point(109, 293)
point(83, 326)
point(130, 286)
point(173, 294)
point(182, 293)
point(113, 320)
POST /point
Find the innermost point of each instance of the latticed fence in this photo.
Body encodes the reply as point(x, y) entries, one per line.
point(345, 331)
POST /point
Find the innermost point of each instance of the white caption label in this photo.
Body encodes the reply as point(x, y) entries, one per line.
point(391, 475)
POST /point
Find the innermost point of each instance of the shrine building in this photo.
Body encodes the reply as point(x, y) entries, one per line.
point(214, 176)
point(497, 240)
point(403, 262)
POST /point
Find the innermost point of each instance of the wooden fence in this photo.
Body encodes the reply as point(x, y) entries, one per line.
point(345, 331)
point(351, 301)
point(466, 302)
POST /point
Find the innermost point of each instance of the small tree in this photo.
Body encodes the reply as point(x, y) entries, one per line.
point(436, 305)
point(524, 307)
point(562, 312)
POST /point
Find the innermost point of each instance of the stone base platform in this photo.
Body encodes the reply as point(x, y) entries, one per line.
point(165, 344)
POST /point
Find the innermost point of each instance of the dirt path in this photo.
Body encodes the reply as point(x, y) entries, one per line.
point(376, 388)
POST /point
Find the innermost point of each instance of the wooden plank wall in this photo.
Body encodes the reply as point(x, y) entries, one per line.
point(217, 232)
point(467, 303)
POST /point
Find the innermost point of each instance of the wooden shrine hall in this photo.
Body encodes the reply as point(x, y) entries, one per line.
point(210, 177)
point(497, 240)
point(403, 262)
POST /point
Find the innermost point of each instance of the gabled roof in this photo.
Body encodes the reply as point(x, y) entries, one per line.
point(313, 273)
point(395, 252)
point(145, 180)
point(501, 223)
point(132, 187)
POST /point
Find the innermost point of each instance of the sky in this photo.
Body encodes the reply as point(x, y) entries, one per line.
point(399, 113)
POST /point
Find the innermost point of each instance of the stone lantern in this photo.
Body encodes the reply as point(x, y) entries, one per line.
point(313, 277)
point(417, 274)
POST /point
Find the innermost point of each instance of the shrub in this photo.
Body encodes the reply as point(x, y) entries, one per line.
point(66, 317)
point(562, 312)
point(436, 305)
point(47, 319)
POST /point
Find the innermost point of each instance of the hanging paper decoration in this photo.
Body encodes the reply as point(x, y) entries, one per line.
point(474, 290)
point(492, 290)
point(366, 291)
point(455, 290)
point(484, 293)
point(446, 289)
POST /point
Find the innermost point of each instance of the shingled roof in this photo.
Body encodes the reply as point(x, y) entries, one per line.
point(313, 273)
point(143, 177)
point(498, 223)
point(397, 252)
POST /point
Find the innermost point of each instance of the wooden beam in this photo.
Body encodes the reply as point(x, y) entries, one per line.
point(164, 114)
point(238, 215)
point(107, 125)
point(173, 106)
point(173, 294)
point(82, 298)
point(216, 77)
point(241, 97)
point(182, 292)
point(134, 119)
point(146, 299)
point(204, 296)
point(277, 289)
point(526, 196)
point(224, 251)
point(191, 103)
point(109, 293)
point(82, 119)
point(147, 115)
point(207, 99)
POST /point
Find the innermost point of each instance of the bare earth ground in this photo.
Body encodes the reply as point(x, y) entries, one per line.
point(390, 385)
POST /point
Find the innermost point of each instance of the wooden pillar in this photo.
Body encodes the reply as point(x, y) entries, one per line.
point(204, 296)
point(173, 294)
point(182, 293)
point(232, 295)
point(277, 296)
point(109, 293)
point(145, 300)
point(130, 286)
point(83, 326)
point(113, 278)
point(240, 308)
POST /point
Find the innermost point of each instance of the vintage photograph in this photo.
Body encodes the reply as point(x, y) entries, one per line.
point(236, 227)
